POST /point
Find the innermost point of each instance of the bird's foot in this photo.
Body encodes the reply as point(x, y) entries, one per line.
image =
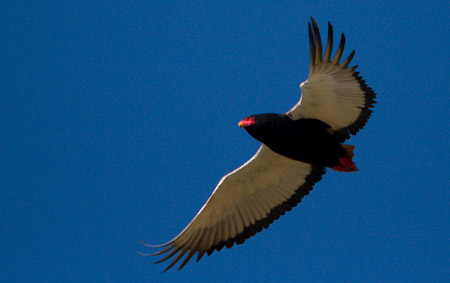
point(345, 165)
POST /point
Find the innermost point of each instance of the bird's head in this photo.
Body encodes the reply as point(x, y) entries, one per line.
point(261, 121)
point(264, 127)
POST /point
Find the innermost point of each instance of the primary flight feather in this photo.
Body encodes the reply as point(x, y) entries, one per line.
point(296, 148)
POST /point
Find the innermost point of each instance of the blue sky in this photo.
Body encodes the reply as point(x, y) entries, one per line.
point(119, 118)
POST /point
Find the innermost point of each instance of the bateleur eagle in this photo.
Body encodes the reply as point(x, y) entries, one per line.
point(296, 148)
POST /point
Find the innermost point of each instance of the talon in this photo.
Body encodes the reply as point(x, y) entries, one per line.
point(345, 165)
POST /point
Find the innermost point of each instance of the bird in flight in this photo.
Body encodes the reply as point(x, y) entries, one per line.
point(296, 148)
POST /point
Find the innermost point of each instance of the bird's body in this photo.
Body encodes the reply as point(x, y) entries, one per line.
point(296, 148)
point(307, 140)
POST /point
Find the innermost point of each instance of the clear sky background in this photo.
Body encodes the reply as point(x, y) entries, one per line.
point(118, 118)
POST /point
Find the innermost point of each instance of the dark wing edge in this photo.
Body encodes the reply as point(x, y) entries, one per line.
point(274, 214)
point(171, 249)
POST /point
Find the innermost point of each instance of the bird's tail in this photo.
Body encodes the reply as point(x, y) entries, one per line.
point(349, 149)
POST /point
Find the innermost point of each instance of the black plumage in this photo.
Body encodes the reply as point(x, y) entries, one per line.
point(307, 140)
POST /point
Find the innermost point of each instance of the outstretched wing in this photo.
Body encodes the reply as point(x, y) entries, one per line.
point(244, 202)
point(333, 93)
